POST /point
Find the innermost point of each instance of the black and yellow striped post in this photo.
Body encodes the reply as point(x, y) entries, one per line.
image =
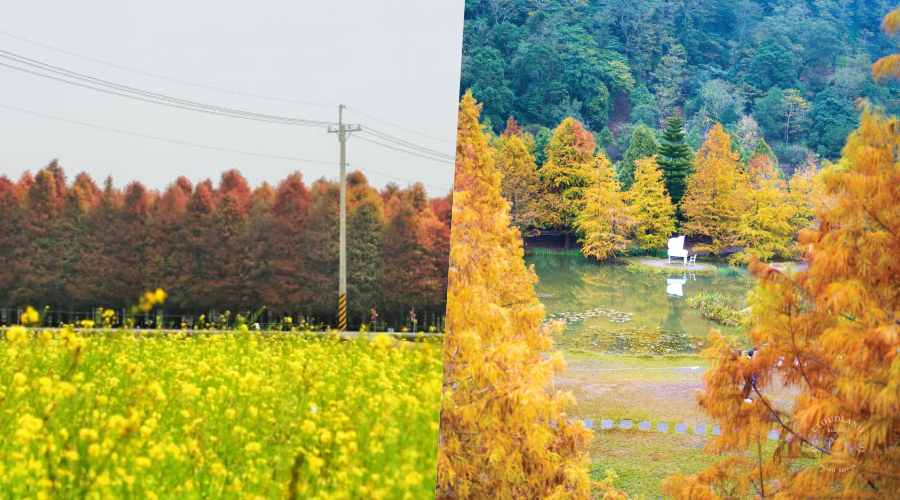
point(342, 312)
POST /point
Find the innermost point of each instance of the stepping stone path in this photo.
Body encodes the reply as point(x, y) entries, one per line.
point(773, 434)
point(681, 428)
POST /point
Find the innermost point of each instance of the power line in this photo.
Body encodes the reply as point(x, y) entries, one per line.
point(439, 160)
point(406, 144)
point(204, 146)
point(101, 85)
point(164, 139)
point(146, 96)
point(162, 77)
point(400, 127)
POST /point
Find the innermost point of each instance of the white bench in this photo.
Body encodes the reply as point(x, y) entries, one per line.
point(676, 249)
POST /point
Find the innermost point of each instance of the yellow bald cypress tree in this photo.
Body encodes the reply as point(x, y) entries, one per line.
point(764, 226)
point(651, 206)
point(806, 190)
point(503, 433)
point(606, 221)
point(520, 183)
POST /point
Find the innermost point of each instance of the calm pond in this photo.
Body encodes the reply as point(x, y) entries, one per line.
point(611, 309)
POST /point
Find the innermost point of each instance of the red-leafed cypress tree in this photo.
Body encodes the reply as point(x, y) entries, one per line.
point(289, 263)
point(42, 275)
point(200, 221)
point(168, 254)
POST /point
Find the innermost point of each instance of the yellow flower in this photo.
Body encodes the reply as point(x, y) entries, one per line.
point(288, 320)
point(87, 435)
point(315, 464)
point(253, 447)
point(17, 335)
point(29, 427)
point(30, 316)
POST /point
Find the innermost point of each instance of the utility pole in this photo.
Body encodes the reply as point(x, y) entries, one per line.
point(343, 131)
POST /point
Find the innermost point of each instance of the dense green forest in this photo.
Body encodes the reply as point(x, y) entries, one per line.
point(788, 72)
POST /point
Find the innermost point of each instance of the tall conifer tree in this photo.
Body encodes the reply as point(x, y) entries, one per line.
point(673, 159)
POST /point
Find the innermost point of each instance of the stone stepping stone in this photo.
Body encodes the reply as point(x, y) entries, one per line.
point(644, 425)
point(588, 423)
point(682, 428)
point(662, 427)
point(773, 434)
point(606, 423)
point(625, 424)
point(717, 431)
point(700, 429)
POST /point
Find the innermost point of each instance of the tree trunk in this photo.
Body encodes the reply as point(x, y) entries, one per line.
point(567, 241)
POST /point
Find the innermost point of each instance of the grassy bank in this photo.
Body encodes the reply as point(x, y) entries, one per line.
point(658, 389)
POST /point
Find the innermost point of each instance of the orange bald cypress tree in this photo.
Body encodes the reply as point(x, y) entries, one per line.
point(566, 176)
point(831, 333)
point(502, 433)
point(712, 202)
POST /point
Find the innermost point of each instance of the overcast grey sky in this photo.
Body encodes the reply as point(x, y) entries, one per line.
point(396, 60)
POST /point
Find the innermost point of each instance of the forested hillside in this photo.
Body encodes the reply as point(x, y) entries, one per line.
point(76, 245)
point(788, 72)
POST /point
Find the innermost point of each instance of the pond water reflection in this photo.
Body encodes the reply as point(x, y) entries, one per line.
point(609, 308)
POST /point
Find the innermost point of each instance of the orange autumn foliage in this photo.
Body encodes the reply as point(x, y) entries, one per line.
point(712, 201)
point(832, 335)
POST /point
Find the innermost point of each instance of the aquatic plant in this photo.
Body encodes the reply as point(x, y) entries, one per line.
point(639, 340)
point(550, 252)
point(722, 309)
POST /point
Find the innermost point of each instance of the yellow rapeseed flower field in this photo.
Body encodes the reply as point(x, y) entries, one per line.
point(122, 414)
